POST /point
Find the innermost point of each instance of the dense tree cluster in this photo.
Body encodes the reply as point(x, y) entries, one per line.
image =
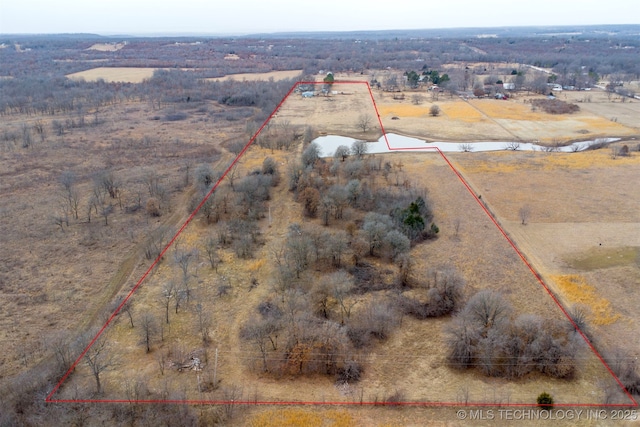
point(486, 335)
point(330, 304)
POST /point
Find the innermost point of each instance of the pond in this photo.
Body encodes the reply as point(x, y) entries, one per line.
point(329, 143)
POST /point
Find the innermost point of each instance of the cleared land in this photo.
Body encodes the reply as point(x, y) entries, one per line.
point(138, 74)
point(512, 120)
point(465, 120)
point(107, 47)
point(115, 74)
point(275, 75)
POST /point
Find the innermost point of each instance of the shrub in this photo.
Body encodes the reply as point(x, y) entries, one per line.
point(153, 207)
point(175, 116)
point(555, 106)
point(349, 373)
point(545, 400)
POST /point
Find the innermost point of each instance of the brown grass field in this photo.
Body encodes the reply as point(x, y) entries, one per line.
point(584, 222)
point(275, 75)
point(115, 74)
point(582, 236)
point(139, 74)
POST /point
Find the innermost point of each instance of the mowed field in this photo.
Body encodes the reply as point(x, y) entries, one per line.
point(511, 120)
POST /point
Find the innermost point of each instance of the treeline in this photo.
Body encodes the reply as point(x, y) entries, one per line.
point(60, 96)
point(38, 83)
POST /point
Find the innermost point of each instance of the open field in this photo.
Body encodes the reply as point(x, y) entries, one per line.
point(275, 75)
point(512, 120)
point(584, 221)
point(115, 74)
point(138, 74)
point(472, 120)
point(107, 47)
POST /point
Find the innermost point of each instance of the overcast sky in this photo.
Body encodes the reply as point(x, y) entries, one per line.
point(253, 16)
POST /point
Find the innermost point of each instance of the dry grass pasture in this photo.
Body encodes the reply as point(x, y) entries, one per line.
point(471, 120)
point(584, 222)
point(412, 361)
point(511, 120)
point(275, 75)
point(58, 281)
point(115, 74)
point(581, 235)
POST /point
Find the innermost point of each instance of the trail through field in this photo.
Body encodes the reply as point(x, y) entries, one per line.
point(516, 137)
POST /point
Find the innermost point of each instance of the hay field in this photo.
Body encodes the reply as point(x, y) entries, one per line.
point(337, 114)
point(275, 75)
point(115, 74)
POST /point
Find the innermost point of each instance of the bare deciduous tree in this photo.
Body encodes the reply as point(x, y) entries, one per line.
point(342, 152)
point(168, 293)
point(99, 358)
point(364, 122)
point(341, 284)
point(359, 148)
point(148, 330)
point(211, 249)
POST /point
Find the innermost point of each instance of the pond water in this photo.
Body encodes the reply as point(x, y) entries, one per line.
point(329, 143)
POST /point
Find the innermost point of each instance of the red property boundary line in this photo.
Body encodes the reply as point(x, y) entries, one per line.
point(49, 398)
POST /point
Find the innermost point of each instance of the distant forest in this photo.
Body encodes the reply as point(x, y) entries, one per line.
point(33, 67)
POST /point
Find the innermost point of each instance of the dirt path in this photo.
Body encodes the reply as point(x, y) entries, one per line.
point(489, 118)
